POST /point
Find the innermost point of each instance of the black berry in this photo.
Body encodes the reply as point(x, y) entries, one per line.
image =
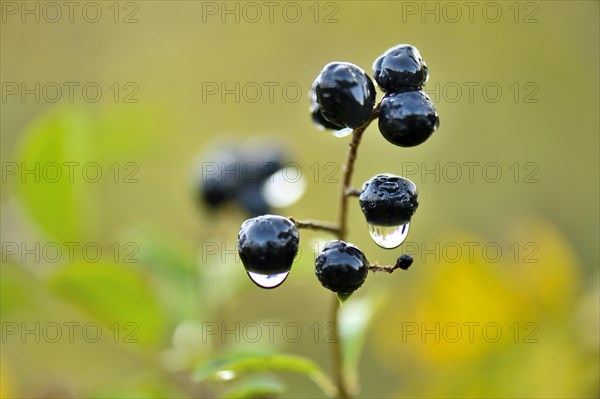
point(268, 244)
point(341, 267)
point(404, 262)
point(251, 199)
point(407, 119)
point(220, 180)
point(388, 200)
point(400, 68)
point(345, 94)
point(320, 121)
point(238, 173)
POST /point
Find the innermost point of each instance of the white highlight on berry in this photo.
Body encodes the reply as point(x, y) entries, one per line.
point(281, 190)
point(388, 237)
point(225, 375)
point(342, 132)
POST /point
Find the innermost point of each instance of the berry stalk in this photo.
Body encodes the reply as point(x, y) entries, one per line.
point(347, 191)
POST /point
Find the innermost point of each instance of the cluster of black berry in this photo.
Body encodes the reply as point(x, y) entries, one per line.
point(343, 100)
point(237, 174)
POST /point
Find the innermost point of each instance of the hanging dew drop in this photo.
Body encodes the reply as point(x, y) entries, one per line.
point(268, 280)
point(388, 236)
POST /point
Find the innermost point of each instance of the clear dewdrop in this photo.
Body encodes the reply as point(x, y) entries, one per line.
point(268, 280)
point(389, 237)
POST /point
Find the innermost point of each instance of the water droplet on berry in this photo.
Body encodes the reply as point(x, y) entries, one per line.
point(268, 280)
point(342, 132)
point(388, 236)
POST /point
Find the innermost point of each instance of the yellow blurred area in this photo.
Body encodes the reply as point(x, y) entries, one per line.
point(469, 322)
point(6, 387)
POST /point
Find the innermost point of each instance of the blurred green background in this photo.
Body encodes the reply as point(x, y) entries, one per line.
point(532, 115)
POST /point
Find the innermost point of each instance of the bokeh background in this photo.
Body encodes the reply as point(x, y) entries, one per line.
point(516, 86)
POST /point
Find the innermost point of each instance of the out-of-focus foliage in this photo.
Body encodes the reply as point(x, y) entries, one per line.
point(169, 285)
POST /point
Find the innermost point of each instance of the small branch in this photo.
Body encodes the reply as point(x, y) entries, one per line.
point(316, 225)
point(403, 263)
point(387, 269)
point(353, 192)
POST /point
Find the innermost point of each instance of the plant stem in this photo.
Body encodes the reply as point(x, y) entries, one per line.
point(346, 191)
point(387, 269)
point(316, 225)
point(338, 360)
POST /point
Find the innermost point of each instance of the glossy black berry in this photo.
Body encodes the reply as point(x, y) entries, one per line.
point(345, 94)
point(404, 262)
point(341, 267)
point(399, 69)
point(268, 244)
point(319, 120)
point(407, 119)
point(388, 200)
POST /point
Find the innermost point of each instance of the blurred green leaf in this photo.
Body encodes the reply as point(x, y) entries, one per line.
point(52, 199)
point(112, 294)
point(172, 270)
point(235, 363)
point(65, 151)
point(255, 387)
point(355, 319)
point(15, 289)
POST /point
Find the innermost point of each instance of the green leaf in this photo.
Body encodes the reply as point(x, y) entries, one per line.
point(15, 289)
point(112, 294)
point(65, 151)
point(172, 269)
point(342, 298)
point(354, 321)
point(238, 363)
point(53, 200)
point(255, 387)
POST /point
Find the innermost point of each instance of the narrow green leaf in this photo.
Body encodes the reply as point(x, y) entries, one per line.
point(238, 363)
point(342, 298)
point(355, 318)
point(255, 387)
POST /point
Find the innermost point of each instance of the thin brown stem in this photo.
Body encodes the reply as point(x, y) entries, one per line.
point(348, 171)
point(387, 269)
point(346, 191)
point(338, 359)
point(353, 192)
point(316, 225)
